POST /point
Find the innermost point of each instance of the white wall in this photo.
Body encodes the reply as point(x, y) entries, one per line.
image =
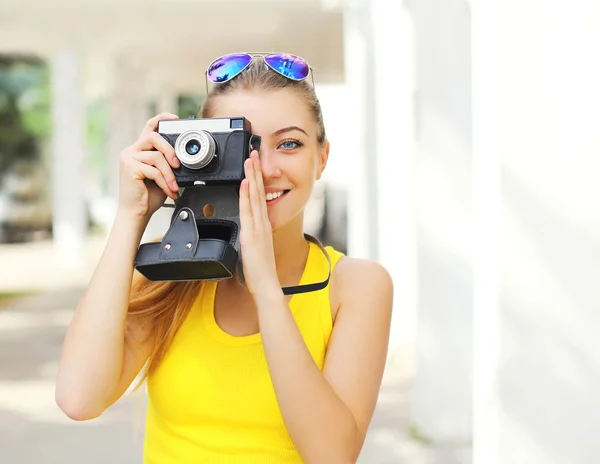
point(548, 100)
point(442, 393)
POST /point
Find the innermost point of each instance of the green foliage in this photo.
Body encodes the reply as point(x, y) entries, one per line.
point(25, 115)
point(188, 104)
point(24, 108)
point(97, 133)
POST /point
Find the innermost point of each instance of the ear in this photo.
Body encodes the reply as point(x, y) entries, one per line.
point(323, 157)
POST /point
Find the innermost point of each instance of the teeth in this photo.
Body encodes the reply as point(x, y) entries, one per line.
point(272, 196)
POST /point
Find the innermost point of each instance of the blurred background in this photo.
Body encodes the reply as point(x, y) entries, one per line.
point(465, 141)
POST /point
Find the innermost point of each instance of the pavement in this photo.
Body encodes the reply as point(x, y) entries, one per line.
point(44, 266)
point(34, 430)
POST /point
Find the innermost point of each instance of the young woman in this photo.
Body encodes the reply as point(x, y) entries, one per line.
point(236, 373)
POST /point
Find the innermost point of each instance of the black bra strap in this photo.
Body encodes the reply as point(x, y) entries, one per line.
point(311, 287)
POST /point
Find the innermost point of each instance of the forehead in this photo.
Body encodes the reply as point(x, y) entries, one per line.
point(268, 111)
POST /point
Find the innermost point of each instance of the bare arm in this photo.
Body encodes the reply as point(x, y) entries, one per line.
point(94, 371)
point(100, 357)
point(328, 413)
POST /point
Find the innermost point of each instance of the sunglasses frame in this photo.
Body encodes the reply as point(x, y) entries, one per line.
point(263, 55)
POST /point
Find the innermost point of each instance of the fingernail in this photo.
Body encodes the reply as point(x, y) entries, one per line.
point(176, 162)
point(175, 186)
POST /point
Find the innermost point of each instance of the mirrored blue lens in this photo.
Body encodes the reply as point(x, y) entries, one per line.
point(290, 66)
point(227, 67)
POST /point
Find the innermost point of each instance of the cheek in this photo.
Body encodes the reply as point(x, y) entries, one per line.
point(304, 171)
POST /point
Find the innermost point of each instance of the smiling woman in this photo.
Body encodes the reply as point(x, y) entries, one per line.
point(237, 372)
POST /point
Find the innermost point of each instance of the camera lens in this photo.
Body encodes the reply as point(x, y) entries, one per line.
point(192, 147)
point(195, 149)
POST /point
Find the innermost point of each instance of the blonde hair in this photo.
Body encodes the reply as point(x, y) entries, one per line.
point(163, 306)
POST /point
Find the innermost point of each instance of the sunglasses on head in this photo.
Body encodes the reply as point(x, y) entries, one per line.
point(226, 67)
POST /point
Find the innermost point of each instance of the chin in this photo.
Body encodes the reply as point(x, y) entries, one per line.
point(280, 218)
point(277, 222)
point(281, 215)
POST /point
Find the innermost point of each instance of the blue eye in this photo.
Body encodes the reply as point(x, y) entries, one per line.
point(290, 144)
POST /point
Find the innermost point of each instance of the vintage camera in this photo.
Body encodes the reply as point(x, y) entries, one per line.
point(202, 242)
point(212, 151)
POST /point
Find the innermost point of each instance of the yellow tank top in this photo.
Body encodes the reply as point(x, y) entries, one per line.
point(211, 399)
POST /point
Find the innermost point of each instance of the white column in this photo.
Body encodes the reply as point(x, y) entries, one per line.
point(361, 169)
point(486, 244)
point(68, 145)
point(536, 110)
point(128, 114)
point(377, 160)
point(166, 102)
point(336, 178)
point(394, 88)
point(442, 390)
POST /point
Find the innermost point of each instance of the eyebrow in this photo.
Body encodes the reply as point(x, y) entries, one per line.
point(288, 129)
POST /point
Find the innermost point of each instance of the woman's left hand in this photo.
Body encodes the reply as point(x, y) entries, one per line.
point(256, 235)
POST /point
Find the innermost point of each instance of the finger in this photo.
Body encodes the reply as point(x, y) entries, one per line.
point(258, 174)
point(152, 173)
point(260, 186)
point(245, 210)
point(152, 124)
point(157, 159)
point(154, 141)
point(252, 191)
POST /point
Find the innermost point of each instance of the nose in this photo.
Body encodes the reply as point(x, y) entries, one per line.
point(268, 163)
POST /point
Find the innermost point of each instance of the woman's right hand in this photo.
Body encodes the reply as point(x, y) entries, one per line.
point(146, 177)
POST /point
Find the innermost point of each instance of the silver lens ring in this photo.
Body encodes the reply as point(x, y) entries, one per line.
point(199, 140)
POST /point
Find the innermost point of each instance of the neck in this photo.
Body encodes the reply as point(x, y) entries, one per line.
point(291, 250)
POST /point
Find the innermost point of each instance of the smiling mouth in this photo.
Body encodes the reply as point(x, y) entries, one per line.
point(273, 196)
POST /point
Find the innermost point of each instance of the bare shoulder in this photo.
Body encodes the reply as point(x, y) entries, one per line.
point(352, 272)
point(365, 281)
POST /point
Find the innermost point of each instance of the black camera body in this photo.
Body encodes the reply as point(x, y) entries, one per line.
point(211, 151)
point(202, 242)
